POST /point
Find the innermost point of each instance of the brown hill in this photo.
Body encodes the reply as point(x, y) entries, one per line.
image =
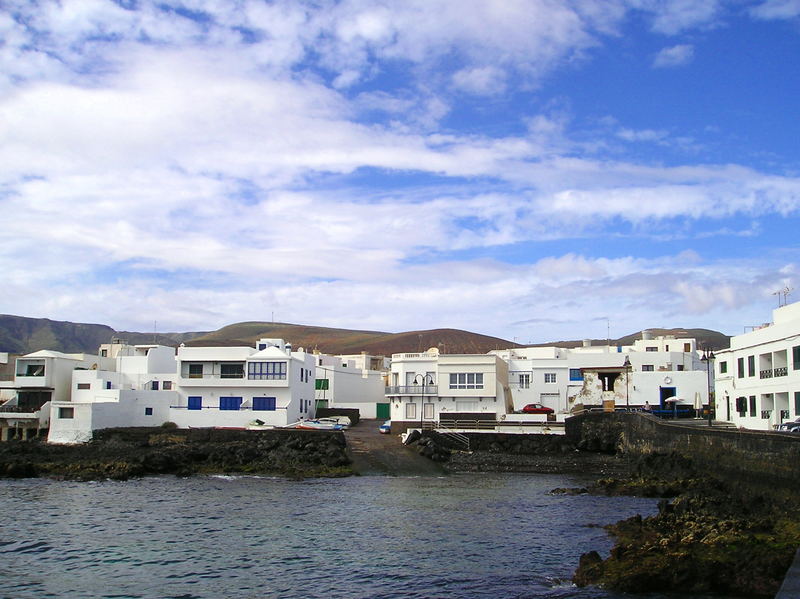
point(705, 338)
point(345, 341)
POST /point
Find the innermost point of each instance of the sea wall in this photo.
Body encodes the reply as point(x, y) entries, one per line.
point(767, 458)
point(125, 452)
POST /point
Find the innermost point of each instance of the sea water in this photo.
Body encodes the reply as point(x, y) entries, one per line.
point(461, 536)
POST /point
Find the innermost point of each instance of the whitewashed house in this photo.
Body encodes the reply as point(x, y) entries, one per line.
point(235, 386)
point(659, 372)
point(136, 389)
point(757, 380)
point(445, 388)
point(40, 378)
point(351, 382)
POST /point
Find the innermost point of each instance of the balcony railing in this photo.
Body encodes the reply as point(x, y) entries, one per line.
point(766, 374)
point(412, 390)
point(782, 371)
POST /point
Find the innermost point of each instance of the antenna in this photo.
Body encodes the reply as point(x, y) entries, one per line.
point(785, 293)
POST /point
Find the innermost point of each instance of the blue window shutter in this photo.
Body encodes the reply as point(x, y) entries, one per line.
point(230, 403)
point(264, 404)
point(195, 402)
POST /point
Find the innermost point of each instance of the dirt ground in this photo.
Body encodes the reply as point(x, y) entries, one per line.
point(374, 453)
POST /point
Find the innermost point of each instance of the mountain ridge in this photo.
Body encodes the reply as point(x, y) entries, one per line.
point(21, 334)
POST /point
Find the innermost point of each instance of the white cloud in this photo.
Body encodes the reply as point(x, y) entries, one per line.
point(674, 56)
point(776, 9)
point(483, 81)
point(674, 16)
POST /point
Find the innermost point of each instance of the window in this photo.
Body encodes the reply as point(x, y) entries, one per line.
point(723, 367)
point(195, 402)
point(195, 371)
point(466, 380)
point(262, 346)
point(687, 347)
point(797, 403)
point(231, 371)
point(575, 374)
point(66, 413)
point(753, 406)
point(230, 403)
point(741, 406)
point(796, 357)
point(148, 411)
point(266, 371)
point(427, 411)
point(103, 353)
point(264, 404)
point(167, 385)
point(751, 365)
point(524, 381)
point(321, 384)
point(648, 368)
point(108, 384)
point(34, 370)
point(651, 348)
point(84, 386)
point(679, 367)
point(154, 385)
point(411, 411)
point(549, 377)
point(740, 368)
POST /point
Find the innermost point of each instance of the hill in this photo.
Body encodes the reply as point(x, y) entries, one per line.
point(705, 338)
point(21, 335)
point(346, 341)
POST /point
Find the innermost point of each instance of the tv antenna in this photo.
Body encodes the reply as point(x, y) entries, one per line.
point(785, 293)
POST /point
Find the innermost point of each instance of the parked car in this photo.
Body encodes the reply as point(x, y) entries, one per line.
point(536, 408)
point(386, 427)
point(792, 426)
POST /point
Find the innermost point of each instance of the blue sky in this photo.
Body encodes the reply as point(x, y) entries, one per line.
point(524, 169)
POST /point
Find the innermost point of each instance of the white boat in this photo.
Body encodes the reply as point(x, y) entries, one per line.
point(318, 425)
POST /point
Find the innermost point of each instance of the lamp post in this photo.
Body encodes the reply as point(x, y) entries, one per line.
point(627, 366)
point(708, 357)
point(423, 380)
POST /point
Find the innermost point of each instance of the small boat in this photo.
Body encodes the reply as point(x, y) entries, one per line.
point(318, 425)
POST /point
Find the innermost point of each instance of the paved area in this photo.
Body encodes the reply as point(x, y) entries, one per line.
point(376, 454)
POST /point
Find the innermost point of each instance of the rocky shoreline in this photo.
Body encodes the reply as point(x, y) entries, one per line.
point(710, 535)
point(120, 454)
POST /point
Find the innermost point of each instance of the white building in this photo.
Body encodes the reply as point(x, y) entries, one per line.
point(351, 382)
point(137, 389)
point(234, 386)
point(757, 380)
point(429, 387)
point(566, 379)
point(40, 378)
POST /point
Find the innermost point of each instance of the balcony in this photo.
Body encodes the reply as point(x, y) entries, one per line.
point(782, 371)
point(766, 374)
point(412, 390)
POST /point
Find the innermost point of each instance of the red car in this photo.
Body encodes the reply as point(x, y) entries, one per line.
point(536, 408)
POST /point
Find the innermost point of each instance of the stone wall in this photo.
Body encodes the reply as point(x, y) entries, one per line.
point(768, 458)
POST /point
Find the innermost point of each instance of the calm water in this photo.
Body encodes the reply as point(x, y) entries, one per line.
point(246, 537)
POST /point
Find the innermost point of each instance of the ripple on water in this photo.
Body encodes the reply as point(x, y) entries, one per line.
point(244, 537)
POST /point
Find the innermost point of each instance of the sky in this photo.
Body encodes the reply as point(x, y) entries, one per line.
point(534, 170)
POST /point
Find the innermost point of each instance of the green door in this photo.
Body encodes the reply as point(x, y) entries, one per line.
point(383, 411)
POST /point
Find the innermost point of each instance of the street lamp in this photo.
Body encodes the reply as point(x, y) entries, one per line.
point(708, 357)
point(422, 379)
point(627, 366)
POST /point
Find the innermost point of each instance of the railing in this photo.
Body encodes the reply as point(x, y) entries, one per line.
point(469, 424)
point(412, 390)
point(459, 438)
point(782, 371)
point(766, 374)
point(765, 414)
point(784, 415)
